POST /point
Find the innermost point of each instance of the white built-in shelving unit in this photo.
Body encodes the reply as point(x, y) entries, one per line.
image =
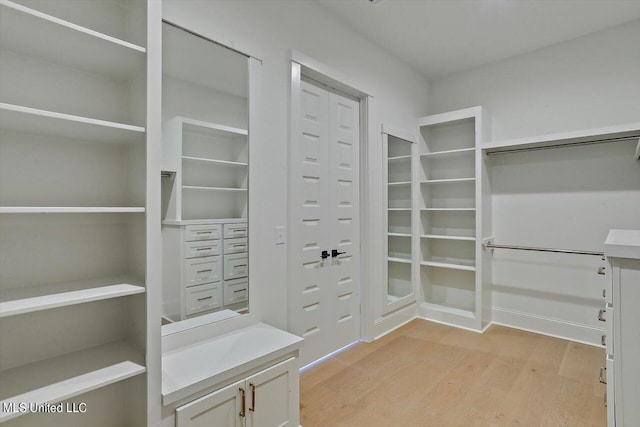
point(455, 212)
point(398, 246)
point(73, 210)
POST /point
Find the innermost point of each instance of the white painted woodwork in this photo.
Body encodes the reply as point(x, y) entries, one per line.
point(221, 408)
point(204, 364)
point(324, 304)
point(455, 214)
point(78, 209)
point(622, 249)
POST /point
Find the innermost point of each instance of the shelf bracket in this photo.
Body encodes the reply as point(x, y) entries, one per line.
point(487, 241)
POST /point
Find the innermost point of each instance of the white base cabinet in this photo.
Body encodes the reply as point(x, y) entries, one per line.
point(622, 314)
point(267, 398)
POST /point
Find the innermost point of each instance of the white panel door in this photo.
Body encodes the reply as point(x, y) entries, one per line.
point(324, 293)
point(273, 398)
point(220, 408)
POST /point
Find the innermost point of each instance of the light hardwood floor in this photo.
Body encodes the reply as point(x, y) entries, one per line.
point(427, 374)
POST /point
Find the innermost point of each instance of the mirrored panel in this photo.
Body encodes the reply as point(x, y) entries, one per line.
point(205, 181)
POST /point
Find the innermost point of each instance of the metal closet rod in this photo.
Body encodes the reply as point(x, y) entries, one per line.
point(564, 145)
point(491, 245)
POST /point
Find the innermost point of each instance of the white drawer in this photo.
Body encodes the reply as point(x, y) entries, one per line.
point(236, 266)
point(194, 233)
point(202, 270)
point(202, 248)
point(238, 229)
point(234, 246)
point(203, 298)
point(236, 290)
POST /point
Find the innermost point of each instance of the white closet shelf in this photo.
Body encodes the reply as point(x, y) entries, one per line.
point(399, 183)
point(446, 237)
point(36, 298)
point(401, 260)
point(214, 161)
point(454, 265)
point(18, 118)
point(449, 209)
point(447, 180)
point(59, 378)
point(209, 127)
point(399, 234)
point(203, 221)
point(573, 137)
point(70, 209)
point(448, 153)
point(198, 187)
point(399, 209)
point(393, 159)
point(23, 29)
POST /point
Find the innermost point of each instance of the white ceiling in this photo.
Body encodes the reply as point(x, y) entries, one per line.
point(439, 37)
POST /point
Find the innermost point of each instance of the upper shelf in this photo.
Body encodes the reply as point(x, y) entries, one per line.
point(448, 153)
point(32, 120)
point(583, 136)
point(69, 209)
point(214, 161)
point(23, 29)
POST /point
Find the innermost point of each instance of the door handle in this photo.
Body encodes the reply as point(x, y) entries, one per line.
point(324, 254)
point(244, 401)
point(335, 253)
point(252, 408)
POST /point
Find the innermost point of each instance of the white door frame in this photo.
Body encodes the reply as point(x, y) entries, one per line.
point(302, 65)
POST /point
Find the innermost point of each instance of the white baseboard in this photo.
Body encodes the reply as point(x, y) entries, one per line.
point(585, 334)
point(394, 320)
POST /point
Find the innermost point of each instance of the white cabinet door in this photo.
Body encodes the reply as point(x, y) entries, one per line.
point(219, 409)
point(273, 396)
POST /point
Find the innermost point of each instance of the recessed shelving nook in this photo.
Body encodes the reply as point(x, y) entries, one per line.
point(398, 171)
point(455, 212)
point(73, 210)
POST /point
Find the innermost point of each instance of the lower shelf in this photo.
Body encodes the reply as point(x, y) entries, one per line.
point(448, 309)
point(59, 378)
point(457, 265)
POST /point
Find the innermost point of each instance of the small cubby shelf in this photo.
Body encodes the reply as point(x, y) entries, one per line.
point(59, 378)
point(36, 298)
point(69, 209)
point(448, 153)
point(211, 167)
point(447, 237)
point(27, 30)
point(457, 265)
point(448, 181)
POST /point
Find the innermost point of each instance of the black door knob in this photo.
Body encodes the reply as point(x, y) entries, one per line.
point(335, 253)
point(324, 254)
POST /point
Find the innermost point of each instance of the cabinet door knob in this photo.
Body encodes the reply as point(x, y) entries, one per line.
point(601, 315)
point(603, 340)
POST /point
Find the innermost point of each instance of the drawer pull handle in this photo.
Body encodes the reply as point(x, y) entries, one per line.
point(204, 271)
point(241, 265)
point(601, 315)
point(603, 340)
point(603, 375)
point(242, 407)
point(203, 232)
point(239, 290)
point(605, 399)
point(203, 249)
point(604, 293)
point(601, 270)
point(252, 408)
point(205, 298)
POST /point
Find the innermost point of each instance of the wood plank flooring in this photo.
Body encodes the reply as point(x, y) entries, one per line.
point(427, 374)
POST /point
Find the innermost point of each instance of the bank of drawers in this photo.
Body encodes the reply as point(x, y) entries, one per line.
point(606, 315)
point(215, 266)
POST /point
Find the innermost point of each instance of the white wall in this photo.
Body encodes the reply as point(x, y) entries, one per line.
point(268, 30)
point(565, 198)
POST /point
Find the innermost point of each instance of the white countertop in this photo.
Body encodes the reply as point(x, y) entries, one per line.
point(188, 370)
point(623, 244)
